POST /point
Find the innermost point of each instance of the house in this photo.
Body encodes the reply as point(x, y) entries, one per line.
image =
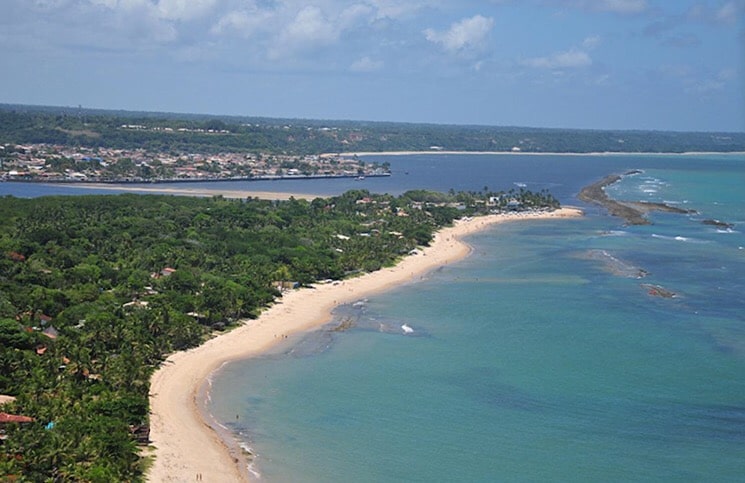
point(167, 272)
point(286, 285)
point(16, 257)
point(50, 332)
point(136, 304)
point(6, 418)
point(513, 205)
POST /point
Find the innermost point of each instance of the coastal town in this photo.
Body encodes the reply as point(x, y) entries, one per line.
point(57, 163)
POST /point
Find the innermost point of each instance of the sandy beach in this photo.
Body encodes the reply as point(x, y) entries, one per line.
point(185, 445)
point(191, 191)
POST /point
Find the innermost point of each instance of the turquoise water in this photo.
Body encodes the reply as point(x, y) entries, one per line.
point(542, 356)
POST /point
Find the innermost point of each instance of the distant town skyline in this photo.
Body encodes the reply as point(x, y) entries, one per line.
point(593, 64)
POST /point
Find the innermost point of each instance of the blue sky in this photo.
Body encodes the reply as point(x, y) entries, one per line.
point(599, 64)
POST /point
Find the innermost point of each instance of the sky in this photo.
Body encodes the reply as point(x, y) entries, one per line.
point(594, 64)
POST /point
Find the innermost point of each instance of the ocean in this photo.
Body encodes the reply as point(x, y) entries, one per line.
point(553, 352)
point(542, 356)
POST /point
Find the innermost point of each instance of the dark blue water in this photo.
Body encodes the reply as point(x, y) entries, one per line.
point(564, 176)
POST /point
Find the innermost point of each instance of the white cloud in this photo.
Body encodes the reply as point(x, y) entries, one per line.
point(366, 64)
point(570, 59)
point(308, 30)
point(138, 20)
point(395, 9)
point(694, 80)
point(728, 13)
point(705, 86)
point(353, 14)
point(468, 34)
point(48, 5)
point(244, 23)
point(614, 6)
point(591, 42)
point(184, 9)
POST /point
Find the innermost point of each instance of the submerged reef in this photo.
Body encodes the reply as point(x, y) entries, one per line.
point(632, 211)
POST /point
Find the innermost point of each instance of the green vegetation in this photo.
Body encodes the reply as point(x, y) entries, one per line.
point(184, 133)
point(95, 291)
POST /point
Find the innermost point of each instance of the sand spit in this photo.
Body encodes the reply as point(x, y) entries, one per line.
point(186, 446)
point(200, 192)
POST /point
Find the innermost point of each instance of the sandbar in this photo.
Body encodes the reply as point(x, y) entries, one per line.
point(185, 445)
point(193, 191)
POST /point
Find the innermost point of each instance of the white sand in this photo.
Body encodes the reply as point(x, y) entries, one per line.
point(194, 191)
point(184, 444)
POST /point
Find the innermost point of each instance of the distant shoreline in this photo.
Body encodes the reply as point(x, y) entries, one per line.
point(128, 181)
point(532, 153)
point(199, 192)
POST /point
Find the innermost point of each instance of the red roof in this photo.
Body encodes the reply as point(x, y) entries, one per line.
point(14, 418)
point(16, 257)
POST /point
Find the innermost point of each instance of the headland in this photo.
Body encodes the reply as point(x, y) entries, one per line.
point(631, 211)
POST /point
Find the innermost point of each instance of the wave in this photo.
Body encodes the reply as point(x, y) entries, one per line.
point(678, 238)
point(251, 466)
point(614, 265)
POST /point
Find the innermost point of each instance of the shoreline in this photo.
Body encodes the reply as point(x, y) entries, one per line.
point(533, 153)
point(185, 443)
point(198, 192)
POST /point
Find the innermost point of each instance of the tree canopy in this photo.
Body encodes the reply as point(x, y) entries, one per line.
point(186, 133)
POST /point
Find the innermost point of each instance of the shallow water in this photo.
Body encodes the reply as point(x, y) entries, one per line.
point(531, 359)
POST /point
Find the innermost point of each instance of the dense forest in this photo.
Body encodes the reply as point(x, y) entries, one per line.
point(167, 132)
point(95, 292)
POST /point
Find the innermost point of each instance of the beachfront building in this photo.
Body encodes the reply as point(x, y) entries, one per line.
point(514, 205)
